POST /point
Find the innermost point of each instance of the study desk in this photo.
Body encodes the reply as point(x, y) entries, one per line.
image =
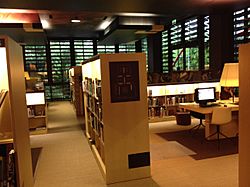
point(230, 129)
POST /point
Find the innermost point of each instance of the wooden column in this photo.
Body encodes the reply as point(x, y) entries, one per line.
point(244, 127)
point(18, 112)
point(155, 53)
point(221, 39)
point(138, 47)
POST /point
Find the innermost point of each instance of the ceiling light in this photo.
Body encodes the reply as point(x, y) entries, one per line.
point(45, 24)
point(6, 10)
point(138, 14)
point(105, 23)
point(75, 20)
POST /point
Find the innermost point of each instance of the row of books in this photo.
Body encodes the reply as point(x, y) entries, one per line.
point(7, 166)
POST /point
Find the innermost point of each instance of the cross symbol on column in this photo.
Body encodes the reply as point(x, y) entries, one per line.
point(124, 80)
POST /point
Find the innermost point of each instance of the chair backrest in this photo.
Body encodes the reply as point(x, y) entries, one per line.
point(221, 115)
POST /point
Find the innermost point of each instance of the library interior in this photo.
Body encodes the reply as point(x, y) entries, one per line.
point(124, 94)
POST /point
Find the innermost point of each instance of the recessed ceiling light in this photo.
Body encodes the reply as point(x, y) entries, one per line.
point(138, 14)
point(6, 10)
point(75, 21)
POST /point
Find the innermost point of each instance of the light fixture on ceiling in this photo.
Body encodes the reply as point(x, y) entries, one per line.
point(105, 23)
point(12, 11)
point(137, 14)
point(75, 20)
point(45, 24)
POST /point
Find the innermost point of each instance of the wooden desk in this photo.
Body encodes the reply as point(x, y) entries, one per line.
point(230, 129)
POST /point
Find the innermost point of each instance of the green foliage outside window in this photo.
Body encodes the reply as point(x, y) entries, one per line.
point(192, 58)
point(178, 59)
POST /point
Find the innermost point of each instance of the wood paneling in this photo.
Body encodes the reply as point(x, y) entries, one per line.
point(244, 127)
point(19, 116)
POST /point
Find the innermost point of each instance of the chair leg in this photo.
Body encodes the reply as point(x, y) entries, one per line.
point(197, 127)
point(218, 133)
point(223, 135)
point(218, 136)
point(211, 135)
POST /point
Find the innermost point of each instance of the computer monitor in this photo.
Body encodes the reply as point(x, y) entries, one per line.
point(204, 95)
point(35, 98)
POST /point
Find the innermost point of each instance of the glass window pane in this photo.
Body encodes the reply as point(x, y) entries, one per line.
point(83, 50)
point(178, 59)
point(192, 58)
point(165, 51)
point(127, 48)
point(144, 48)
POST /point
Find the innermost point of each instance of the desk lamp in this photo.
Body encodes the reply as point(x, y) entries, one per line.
point(230, 76)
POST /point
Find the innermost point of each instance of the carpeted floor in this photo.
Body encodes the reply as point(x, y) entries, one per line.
point(177, 158)
point(198, 146)
point(168, 149)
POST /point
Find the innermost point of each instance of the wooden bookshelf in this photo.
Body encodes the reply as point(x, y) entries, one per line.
point(164, 99)
point(37, 112)
point(75, 77)
point(116, 117)
point(13, 111)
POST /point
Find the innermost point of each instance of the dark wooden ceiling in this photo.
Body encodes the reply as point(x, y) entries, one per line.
point(92, 13)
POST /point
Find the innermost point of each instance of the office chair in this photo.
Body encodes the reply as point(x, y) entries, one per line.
point(220, 116)
point(199, 116)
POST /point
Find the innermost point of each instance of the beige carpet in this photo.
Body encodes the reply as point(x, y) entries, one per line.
point(67, 161)
point(170, 149)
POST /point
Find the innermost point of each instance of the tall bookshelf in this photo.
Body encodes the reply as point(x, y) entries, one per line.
point(114, 87)
point(13, 111)
point(75, 78)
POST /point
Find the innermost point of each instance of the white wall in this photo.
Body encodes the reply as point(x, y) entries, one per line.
point(3, 69)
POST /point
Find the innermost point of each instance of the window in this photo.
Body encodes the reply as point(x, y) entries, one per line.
point(206, 41)
point(144, 49)
point(83, 50)
point(60, 64)
point(241, 29)
point(105, 49)
point(192, 58)
point(127, 48)
point(165, 51)
point(191, 26)
point(178, 59)
point(35, 58)
point(191, 53)
point(175, 33)
point(181, 44)
point(35, 62)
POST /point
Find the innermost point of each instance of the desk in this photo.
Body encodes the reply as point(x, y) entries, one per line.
point(230, 129)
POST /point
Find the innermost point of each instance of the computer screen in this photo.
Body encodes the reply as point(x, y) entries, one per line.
point(204, 95)
point(35, 98)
